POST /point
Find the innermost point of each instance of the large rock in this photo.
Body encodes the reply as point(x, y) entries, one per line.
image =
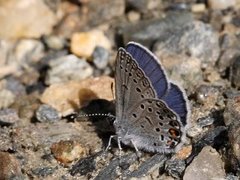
point(68, 97)
point(68, 68)
point(25, 18)
point(207, 165)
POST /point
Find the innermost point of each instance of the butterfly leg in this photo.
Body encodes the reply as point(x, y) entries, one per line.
point(139, 154)
point(110, 142)
point(119, 145)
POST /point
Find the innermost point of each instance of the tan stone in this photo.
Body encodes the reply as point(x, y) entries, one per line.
point(25, 18)
point(68, 151)
point(67, 97)
point(84, 43)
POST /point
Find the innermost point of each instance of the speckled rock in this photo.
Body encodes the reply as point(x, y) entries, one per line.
point(100, 57)
point(207, 165)
point(235, 72)
point(148, 32)
point(68, 151)
point(142, 5)
point(67, 97)
point(175, 167)
point(26, 19)
point(15, 86)
point(191, 40)
point(182, 69)
point(54, 42)
point(221, 4)
point(16, 56)
point(10, 167)
point(28, 50)
point(26, 106)
point(84, 43)
point(7, 98)
point(68, 68)
point(46, 113)
point(6, 143)
point(231, 119)
point(8, 116)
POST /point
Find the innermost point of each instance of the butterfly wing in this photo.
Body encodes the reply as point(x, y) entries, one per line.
point(177, 101)
point(131, 84)
point(153, 127)
point(151, 66)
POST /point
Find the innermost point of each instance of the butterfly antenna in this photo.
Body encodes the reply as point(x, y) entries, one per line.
point(95, 114)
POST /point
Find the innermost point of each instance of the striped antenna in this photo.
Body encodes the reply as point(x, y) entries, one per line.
point(96, 114)
point(75, 115)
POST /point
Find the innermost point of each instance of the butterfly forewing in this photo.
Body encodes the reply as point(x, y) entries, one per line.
point(131, 83)
point(150, 65)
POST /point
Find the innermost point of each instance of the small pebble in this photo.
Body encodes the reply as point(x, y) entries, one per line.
point(43, 171)
point(221, 4)
point(8, 116)
point(84, 166)
point(198, 8)
point(231, 119)
point(100, 57)
point(84, 43)
point(7, 98)
point(10, 167)
point(54, 42)
point(46, 113)
point(206, 94)
point(175, 167)
point(68, 68)
point(235, 72)
point(68, 151)
point(15, 86)
point(133, 16)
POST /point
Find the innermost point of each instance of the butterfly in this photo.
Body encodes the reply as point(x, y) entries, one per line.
point(152, 113)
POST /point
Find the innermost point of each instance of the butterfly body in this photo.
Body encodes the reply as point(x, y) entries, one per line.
point(151, 112)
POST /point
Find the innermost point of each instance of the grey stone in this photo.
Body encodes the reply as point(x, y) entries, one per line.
point(207, 165)
point(6, 143)
point(68, 68)
point(231, 119)
point(148, 31)
point(8, 116)
point(43, 171)
point(54, 42)
point(142, 5)
point(191, 40)
point(235, 72)
point(148, 167)
point(104, 10)
point(46, 113)
point(7, 98)
point(15, 86)
point(175, 167)
point(100, 57)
